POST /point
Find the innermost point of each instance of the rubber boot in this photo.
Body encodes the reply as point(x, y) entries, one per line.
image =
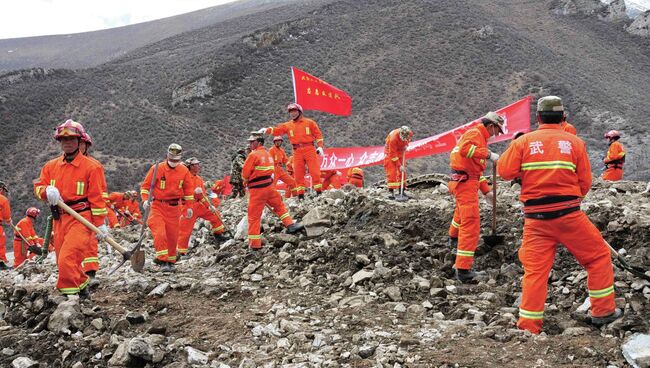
point(301, 196)
point(453, 243)
point(391, 194)
point(93, 279)
point(84, 294)
point(220, 238)
point(469, 276)
point(165, 267)
point(295, 227)
point(601, 321)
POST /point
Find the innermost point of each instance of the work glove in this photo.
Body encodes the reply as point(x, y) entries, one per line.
point(494, 157)
point(198, 190)
point(53, 195)
point(262, 131)
point(488, 197)
point(34, 249)
point(127, 213)
point(189, 213)
point(145, 205)
point(103, 229)
point(319, 150)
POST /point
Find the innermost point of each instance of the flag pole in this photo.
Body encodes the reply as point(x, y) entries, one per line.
point(293, 80)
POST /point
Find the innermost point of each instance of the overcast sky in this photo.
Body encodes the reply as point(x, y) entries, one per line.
point(24, 18)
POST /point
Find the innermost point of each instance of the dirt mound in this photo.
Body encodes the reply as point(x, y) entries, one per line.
point(370, 285)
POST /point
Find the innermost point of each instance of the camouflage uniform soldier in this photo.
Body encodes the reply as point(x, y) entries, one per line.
point(236, 166)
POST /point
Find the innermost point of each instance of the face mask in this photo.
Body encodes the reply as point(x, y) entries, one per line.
point(173, 164)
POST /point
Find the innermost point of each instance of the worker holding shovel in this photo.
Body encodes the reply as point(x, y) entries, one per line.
point(555, 175)
point(74, 180)
point(467, 161)
point(395, 160)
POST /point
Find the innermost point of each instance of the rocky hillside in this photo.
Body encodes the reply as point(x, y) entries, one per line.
point(369, 285)
point(429, 64)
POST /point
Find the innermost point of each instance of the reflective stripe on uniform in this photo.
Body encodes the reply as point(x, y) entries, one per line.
point(284, 216)
point(218, 229)
point(307, 130)
point(290, 133)
point(470, 153)
point(394, 159)
point(98, 211)
point(69, 291)
point(144, 191)
point(180, 184)
point(162, 253)
point(465, 253)
point(602, 292)
point(188, 198)
point(317, 186)
point(455, 224)
point(90, 260)
point(548, 165)
point(162, 184)
point(530, 314)
point(482, 178)
point(254, 237)
point(264, 168)
point(52, 182)
point(80, 187)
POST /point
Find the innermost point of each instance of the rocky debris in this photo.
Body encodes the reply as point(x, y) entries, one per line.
point(636, 350)
point(573, 7)
point(199, 88)
point(375, 289)
point(641, 25)
point(23, 362)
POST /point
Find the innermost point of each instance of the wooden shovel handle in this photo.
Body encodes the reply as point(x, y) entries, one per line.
point(494, 198)
point(92, 227)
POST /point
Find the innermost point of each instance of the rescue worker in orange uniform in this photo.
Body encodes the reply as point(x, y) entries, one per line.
point(303, 133)
point(132, 208)
point(396, 143)
point(76, 180)
point(22, 251)
point(117, 202)
point(5, 218)
point(555, 175)
point(173, 187)
point(280, 159)
point(90, 264)
point(454, 228)
point(331, 178)
point(568, 127)
point(355, 177)
point(258, 178)
point(467, 161)
point(201, 207)
point(615, 157)
point(218, 188)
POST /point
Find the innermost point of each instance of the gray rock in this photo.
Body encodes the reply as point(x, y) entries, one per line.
point(135, 318)
point(200, 88)
point(23, 362)
point(361, 275)
point(78, 365)
point(362, 259)
point(636, 350)
point(576, 331)
point(8, 352)
point(3, 310)
point(66, 316)
point(241, 231)
point(641, 25)
point(121, 355)
point(159, 290)
point(367, 351)
point(394, 293)
point(438, 292)
point(251, 268)
point(97, 323)
point(400, 308)
point(316, 222)
point(141, 348)
point(195, 356)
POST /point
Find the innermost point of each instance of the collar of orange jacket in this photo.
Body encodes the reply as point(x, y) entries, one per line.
point(75, 162)
point(481, 128)
point(550, 126)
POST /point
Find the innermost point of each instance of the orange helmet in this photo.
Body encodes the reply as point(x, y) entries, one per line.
point(32, 212)
point(69, 129)
point(294, 106)
point(613, 134)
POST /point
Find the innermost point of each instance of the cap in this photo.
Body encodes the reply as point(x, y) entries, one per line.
point(549, 103)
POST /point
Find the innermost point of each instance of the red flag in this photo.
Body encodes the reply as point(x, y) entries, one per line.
point(516, 116)
point(316, 94)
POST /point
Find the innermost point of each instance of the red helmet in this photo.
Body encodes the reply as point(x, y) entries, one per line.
point(69, 129)
point(32, 212)
point(613, 134)
point(85, 137)
point(294, 106)
point(278, 138)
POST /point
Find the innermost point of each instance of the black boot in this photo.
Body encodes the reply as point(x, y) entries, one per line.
point(295, 228)
point(93, 279)
point(220, 238)
point(166, 267)
point(3, 266)
point(84, 294)
point(301, 196)
point(469, 276)
point(601, 321)
point(391, 194)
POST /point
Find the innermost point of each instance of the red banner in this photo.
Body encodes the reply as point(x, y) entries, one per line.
point(516, 117)
point(315, 94)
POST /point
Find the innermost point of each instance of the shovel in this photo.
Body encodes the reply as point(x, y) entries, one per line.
point(125, 253)
point(401, 197)
point(634, 270)
point(494, 239)
point(137, 254)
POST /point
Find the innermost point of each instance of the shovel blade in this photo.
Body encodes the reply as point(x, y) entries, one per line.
point(137, 260)
point(401, 198)
point(493, 240)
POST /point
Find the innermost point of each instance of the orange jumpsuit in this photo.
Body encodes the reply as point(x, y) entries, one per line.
point(569, 128)
point(5, 216)
point(555, 174)
point(468, 160)
point(258, 177)
point(393, 153)
point(455, 222)
point(200, 208)
point(355, 177)
point(280, 158)
point(91, 260)
point(80, 184)
point(173, 185)
point(302, 135)
point(614, 162)
point(117, 201)
point(331, 178)
point(218, 187)
point(133, 207)
point(26, 228)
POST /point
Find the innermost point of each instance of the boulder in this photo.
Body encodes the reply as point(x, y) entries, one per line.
point(66, 316)
point(641, 25)
point(636, 350)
